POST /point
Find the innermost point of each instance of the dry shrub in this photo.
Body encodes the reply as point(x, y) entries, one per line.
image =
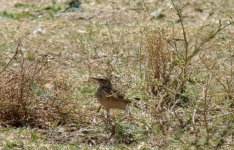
point(159, 60)
point(178, 78)
point(30, 93)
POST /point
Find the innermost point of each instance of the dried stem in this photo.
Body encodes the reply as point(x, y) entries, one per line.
point(206, 108)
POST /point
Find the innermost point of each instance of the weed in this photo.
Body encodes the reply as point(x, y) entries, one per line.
point(25, 100)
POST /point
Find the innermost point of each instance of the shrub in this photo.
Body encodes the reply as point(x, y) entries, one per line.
point(30, 93)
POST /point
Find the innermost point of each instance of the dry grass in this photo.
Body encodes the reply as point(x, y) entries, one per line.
point(180, 67)
point(30, 94)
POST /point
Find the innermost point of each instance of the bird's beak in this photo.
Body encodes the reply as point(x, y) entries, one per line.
point(96, 79)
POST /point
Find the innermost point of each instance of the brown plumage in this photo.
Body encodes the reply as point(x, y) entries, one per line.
point(108, 97)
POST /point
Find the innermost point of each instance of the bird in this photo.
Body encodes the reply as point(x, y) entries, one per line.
point(109, 97)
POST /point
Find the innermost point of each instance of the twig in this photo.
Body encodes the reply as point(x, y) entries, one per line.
point(206, 108)
point(207, 39)
point(16, 53)
point(186, 45)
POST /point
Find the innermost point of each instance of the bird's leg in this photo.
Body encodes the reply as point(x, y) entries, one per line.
point(107, 120)
point(99, 108)
point(127, 112)
point(107, 114)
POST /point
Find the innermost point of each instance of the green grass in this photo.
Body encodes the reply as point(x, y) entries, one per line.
point(47, 11)
point(16, 16)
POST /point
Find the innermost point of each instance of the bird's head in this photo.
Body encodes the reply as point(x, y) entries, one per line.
point(103, 82)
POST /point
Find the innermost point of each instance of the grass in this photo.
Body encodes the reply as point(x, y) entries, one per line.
point(32, 11)
point(177, 69)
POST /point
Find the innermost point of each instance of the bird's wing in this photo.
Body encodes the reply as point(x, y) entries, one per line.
point(119, 96)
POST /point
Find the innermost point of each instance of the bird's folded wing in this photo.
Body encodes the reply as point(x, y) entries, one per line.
point(118, 96)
